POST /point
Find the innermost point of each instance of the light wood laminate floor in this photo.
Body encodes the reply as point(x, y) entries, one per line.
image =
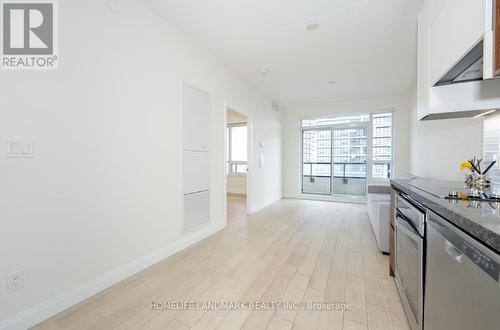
point(294, 250)
point(236, 207)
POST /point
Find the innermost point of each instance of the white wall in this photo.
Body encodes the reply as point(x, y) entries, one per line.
point(438, 147)
point(291, 132)
point(104, 188)
point(236, 184)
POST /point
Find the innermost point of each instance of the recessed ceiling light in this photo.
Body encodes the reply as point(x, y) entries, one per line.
point(332, 82)
point(312, 27)
point(264, 71)
point(113, 6)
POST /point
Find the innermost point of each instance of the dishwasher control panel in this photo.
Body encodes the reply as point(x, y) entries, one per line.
point(488, 265)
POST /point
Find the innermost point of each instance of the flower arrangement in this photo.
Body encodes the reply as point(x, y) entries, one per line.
point(465, 165)
point(476, 178)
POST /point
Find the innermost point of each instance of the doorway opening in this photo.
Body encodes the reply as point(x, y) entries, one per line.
point(237, 164)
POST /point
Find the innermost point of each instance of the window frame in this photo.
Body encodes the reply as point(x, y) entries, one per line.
point(229, 162)
point(317, 128)
point(391, 162)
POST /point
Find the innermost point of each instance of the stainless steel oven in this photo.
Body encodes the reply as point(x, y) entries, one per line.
point(409, 261)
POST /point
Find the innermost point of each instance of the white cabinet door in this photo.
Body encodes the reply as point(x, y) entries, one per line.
point(457, 28)
point(197, 124)
point(447, 101)
point(471, 96)
point(197, 119)
point(423, 83)
point(434, 9)
point(496, 28)
point(196, 176)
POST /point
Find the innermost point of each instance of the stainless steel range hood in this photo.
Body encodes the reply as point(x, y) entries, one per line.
point(470, 68)
point(458, 114)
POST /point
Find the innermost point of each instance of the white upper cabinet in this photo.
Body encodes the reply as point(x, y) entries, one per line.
point(457, 27)
point(423, 61)
point(434, 8)
point(448, 30)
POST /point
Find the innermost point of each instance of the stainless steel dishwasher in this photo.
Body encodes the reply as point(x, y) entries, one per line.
point(462, 289)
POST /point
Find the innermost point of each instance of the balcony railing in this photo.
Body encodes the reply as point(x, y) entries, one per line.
point(345, 174)
point(342, 181)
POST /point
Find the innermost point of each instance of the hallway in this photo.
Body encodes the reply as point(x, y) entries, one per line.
point(236, 207)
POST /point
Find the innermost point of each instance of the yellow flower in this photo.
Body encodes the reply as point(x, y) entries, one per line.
point(465, 165)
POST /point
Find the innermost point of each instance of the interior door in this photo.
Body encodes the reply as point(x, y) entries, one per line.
point(349, 160)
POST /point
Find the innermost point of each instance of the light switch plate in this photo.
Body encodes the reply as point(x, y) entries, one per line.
point(19, 148)
point(262, 161)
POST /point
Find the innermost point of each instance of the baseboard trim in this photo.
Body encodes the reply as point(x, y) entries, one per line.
point(261, 206)
point(244, 195)
point(237, 191)
point(335, 199)
point(61, 302)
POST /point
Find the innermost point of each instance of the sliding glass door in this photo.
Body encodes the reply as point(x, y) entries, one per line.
point(349, 160)
point(317, 161)
point(344, 172)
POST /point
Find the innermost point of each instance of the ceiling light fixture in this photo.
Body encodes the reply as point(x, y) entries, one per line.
point(312, 27)
point(264, 71)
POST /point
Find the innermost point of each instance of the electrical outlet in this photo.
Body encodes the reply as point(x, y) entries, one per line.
point(15, 281)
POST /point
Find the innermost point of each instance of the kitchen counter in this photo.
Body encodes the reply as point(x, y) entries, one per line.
point(480, 220)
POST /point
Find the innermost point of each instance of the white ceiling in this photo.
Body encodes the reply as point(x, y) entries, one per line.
point(367, 46)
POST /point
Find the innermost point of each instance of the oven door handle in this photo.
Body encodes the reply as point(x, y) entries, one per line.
point(408, 203)
point(405, 226)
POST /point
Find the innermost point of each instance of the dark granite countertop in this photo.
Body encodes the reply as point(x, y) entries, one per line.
point(480, 220)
